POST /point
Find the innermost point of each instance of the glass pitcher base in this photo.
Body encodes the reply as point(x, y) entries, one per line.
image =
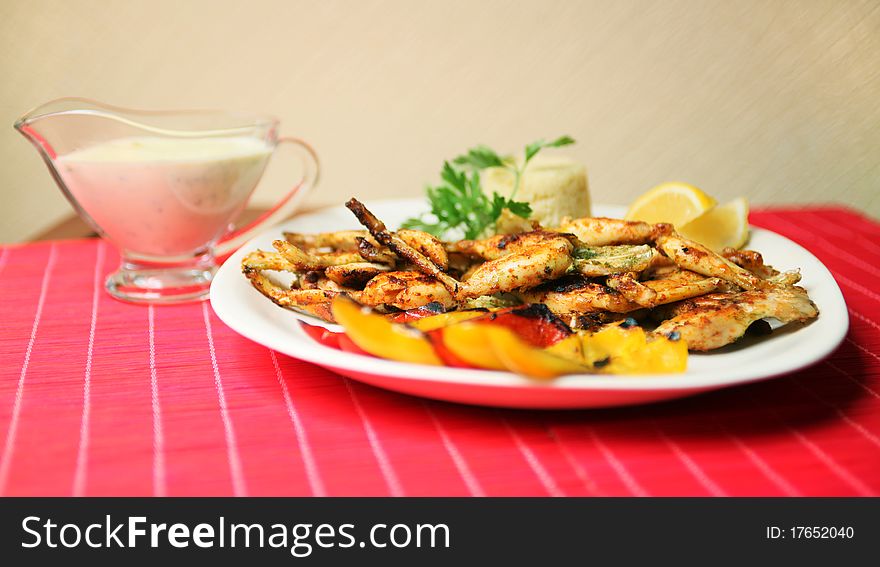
point(136, 284)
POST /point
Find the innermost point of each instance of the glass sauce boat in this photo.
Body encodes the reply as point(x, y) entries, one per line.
point(163, 186)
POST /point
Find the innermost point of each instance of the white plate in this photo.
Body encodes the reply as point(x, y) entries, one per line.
point(249, 313)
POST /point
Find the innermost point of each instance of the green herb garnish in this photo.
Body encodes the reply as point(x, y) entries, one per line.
point(458, 203)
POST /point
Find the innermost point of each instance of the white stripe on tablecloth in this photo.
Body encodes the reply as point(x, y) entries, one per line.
point(239, 487)
point(579, 471)
point(839, 251)
point(853, 379)
point(861, 348)
point(855, 285)
point(394, 486)
point(160, 487)
point(763, 465)
point(543, 475)
point(9, 445)
point(832, 464)
point(837, 230)
point(858, 287)
point(464, 471)
point(622, 472)
point(867, 225)
point(840, 413)
point(827, 459)
point(696, 470)
point(316, 484)
point(864, 319)
point(830, 245)
point(82, 453)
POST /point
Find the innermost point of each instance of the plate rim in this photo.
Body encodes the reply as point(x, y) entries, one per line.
point(835, 314)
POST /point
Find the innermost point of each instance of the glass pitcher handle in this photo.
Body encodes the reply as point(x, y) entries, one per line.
point(284, 208)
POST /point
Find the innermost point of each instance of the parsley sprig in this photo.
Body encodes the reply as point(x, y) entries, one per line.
point(459, 204)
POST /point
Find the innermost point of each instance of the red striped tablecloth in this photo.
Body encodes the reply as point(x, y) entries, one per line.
point(98, 397)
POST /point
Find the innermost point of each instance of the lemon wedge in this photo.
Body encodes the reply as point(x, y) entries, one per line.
point(675, 202)
point(723, 226)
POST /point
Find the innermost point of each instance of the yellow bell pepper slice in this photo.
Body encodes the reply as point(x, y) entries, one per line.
point(380, 337)
point(619, 350)
point(613, 350)
point(520, 357)
point(444, 320)
point(495, 347)
point(663, 355)
point(604, 350)
point(570, 348)
point(470, 343)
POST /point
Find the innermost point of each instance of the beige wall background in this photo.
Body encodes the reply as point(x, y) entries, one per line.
point(778, 101)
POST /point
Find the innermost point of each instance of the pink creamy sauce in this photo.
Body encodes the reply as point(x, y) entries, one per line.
point(164, 197)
